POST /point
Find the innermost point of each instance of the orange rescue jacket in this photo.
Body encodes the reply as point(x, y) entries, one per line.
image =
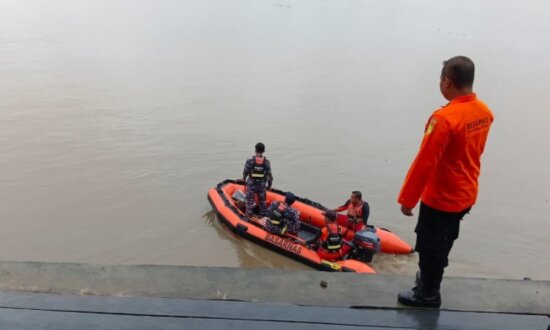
point(445, 173)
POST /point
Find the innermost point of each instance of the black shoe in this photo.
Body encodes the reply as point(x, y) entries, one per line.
point(417, 282)
point(415, 298)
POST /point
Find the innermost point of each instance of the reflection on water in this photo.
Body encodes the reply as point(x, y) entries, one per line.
point(395, 264)
point(251, 255)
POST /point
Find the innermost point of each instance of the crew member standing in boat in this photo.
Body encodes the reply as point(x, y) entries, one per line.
point(358, 212)
point(256, 174)
point(444, 177)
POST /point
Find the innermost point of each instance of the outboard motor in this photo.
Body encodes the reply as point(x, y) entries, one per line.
point(239, 198)
point(366, 243)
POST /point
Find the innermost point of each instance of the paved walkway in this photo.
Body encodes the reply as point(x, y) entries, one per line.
point(51, 311)
point(269, 285)
point(61, 296)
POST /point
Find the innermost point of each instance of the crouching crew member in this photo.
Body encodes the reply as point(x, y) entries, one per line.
point(282, 218)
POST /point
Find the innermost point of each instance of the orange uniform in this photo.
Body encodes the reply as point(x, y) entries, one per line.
point(342, 251)
point(446, 169)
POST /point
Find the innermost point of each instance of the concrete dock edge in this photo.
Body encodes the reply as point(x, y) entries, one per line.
point(269, 286)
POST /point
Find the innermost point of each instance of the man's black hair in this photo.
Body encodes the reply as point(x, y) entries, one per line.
point(260, 148)
point(290, 198)
point(460, 70)
point(357, 194)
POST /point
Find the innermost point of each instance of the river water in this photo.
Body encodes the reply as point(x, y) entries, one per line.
point(116, 117)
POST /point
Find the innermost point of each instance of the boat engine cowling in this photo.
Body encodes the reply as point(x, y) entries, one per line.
point(365, 244)
point(239, 198)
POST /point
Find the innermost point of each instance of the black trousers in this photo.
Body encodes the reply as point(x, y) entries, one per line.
point(436, 232)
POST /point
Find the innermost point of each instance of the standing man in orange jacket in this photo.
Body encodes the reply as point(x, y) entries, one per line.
point(444, 177)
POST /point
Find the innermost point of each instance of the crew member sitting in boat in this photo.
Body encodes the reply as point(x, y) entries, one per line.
point(332, 247)
point(282, 218)
point(357, 212)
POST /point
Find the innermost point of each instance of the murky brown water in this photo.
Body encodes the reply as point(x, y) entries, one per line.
point(116, 117)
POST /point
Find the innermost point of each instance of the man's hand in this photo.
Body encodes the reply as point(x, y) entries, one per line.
point(406, 211)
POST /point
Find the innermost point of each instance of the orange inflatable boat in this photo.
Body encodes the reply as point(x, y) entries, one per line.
point(297, 247)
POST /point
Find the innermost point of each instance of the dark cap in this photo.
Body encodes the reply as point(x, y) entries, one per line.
point(331, 215)
point(290, 198)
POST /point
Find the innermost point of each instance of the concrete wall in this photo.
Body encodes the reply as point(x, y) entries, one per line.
point(268, 285)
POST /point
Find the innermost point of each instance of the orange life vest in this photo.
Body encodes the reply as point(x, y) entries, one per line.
point(355, 212)
point(334, 240)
